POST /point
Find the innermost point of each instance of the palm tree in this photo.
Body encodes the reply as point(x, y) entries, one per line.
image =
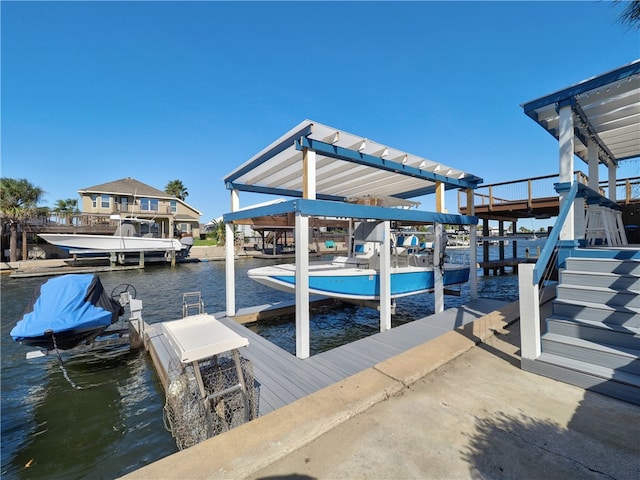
point(219, 233)
point(18, 202)
point(177, 189)
point(66, 208)
point(631, 13)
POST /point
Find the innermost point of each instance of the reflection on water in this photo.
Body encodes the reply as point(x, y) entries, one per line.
point(115, 424)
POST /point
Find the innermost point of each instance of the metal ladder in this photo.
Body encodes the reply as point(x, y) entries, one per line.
point(190, 301)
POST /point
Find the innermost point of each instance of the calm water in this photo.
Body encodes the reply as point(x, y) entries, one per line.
point(114, 425)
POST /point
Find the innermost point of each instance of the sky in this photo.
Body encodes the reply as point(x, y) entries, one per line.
point(93, 92)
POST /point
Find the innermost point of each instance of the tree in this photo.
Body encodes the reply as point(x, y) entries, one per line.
point(66, 208)
point(18, 202)
point(218, 233)
point(177, 189)
point(631, 14)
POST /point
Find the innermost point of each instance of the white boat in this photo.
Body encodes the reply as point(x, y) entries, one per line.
point(110, 243)
point(356, 277)
point(124, 240)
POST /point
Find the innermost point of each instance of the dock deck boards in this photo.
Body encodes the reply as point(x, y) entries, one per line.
point(281, 378)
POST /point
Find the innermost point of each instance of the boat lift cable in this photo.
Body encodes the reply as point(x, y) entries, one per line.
point(64, 370)
point(66, 374)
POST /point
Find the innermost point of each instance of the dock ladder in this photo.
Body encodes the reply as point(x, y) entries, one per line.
point(191, 301)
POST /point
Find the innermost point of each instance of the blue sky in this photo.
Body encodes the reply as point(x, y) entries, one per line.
point(97, 91)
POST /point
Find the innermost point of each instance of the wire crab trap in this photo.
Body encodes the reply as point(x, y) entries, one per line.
point(192, 417)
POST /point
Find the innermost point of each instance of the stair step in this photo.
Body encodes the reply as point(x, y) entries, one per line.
point(603, 265)
point(606, 296)
point(597, 332)
point(610, 356)
point(597, 312)
point(614, 281)
point(606, 381)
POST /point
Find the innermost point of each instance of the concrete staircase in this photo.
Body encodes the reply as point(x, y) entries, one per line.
point(593, 335)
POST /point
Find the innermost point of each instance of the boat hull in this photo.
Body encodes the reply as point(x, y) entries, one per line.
point(111, 243)
point(346, 282)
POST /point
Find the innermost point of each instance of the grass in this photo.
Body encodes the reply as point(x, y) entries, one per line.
point(204, 243)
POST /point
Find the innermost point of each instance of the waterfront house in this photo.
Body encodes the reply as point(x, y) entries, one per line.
point(129, 197)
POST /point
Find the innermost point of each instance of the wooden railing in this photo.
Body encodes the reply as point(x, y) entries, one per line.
point(516, 190)
point(627, 190)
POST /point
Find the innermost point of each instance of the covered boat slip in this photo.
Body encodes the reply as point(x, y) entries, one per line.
point(324, 168)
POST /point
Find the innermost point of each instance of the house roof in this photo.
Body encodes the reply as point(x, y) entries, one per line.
point(606, 110)
point(127, 186)
point(347, 165)
point(132, 187)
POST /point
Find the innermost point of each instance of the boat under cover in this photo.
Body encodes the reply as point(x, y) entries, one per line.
point(351, 278)
point(66, 311)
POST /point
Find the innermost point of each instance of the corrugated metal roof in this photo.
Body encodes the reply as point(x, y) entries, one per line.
point(347, 165)
point(606, 109)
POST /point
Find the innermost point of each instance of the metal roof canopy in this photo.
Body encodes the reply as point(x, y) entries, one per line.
point(606, 110)
point(347, 165)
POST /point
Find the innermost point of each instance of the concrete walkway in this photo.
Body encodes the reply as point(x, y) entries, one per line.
point(445, 409)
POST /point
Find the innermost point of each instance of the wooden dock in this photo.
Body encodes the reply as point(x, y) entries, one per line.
point(281, 378)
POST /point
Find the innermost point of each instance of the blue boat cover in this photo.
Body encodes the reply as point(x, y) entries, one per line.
point(67, 303)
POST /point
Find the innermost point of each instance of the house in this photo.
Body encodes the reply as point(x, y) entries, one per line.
point(129, 197)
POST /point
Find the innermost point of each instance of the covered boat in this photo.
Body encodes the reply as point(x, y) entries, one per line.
point(357, 277)
point(66, 311)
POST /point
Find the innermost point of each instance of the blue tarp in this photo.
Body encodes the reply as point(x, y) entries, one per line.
point(67, 303)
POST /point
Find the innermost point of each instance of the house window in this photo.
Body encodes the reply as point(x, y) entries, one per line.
point(174, 206)
point(183, 227)
point(124, 204)
point(94, 201)
point(149, 204)
point(105, 201)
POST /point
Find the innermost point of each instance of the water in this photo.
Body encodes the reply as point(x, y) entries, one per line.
point(115, 424)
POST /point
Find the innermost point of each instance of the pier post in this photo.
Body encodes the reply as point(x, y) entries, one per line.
point(302, 286)
point(529, 313)
point(473, 249)
point(438, 289)
point(566, 154)
point(385, 279)
point(501, 245)
point(229, 254)
point(485, 244)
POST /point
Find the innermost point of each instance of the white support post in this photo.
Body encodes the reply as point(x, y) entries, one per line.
point(473, 251)
point(229, 250)
point(385, 279)
point(579, 218)
point(302, 286)
point(594, 175)
point(566, 147)
point(529, 313)
point(438, 291)
point(309, 174)
point(613, 195)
